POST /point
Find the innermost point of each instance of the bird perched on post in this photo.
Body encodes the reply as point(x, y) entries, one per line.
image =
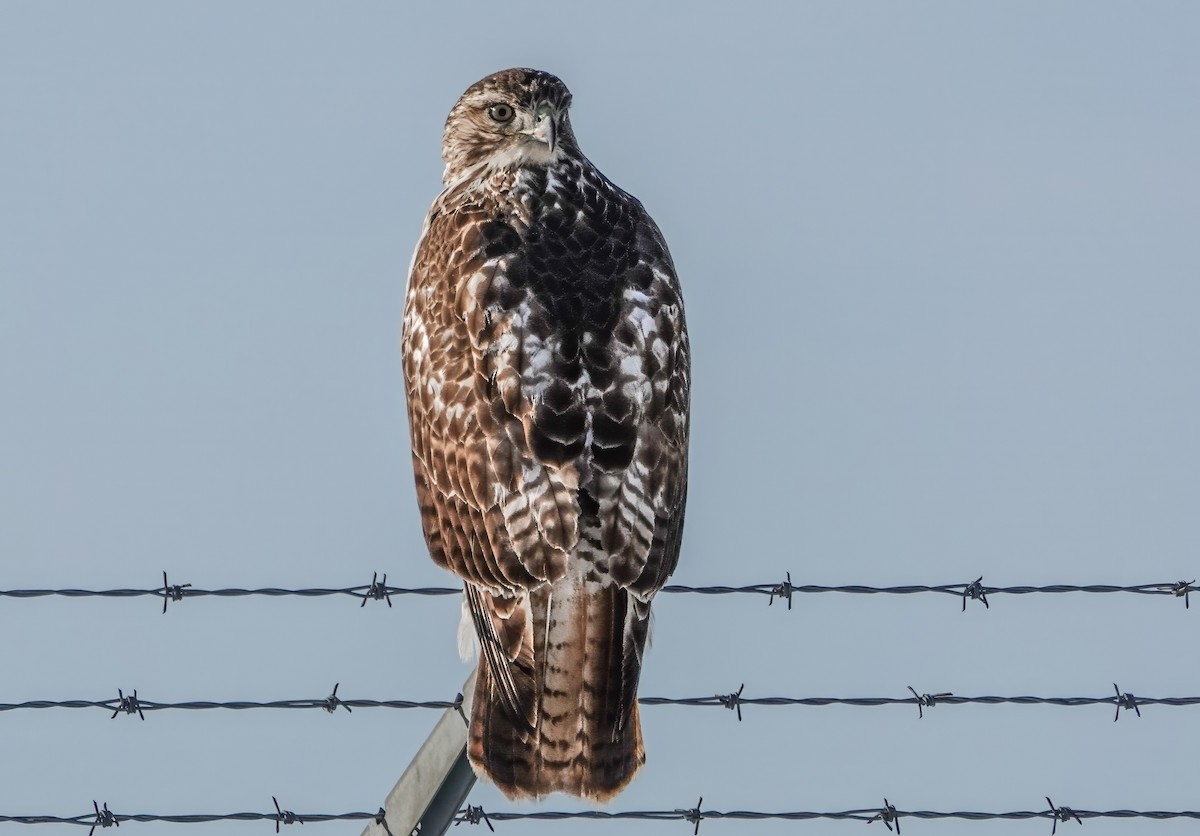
point(548, 375)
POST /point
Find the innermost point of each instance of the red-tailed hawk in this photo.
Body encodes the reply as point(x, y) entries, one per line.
point(548, 376)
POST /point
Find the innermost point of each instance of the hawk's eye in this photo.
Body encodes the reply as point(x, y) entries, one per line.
point(501, 113)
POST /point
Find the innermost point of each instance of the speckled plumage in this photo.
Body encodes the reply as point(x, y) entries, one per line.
point(548, 376)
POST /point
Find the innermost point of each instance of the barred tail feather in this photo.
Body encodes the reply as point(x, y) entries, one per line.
point(586, 738)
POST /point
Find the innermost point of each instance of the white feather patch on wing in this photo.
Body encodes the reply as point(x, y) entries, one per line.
point(468, 642)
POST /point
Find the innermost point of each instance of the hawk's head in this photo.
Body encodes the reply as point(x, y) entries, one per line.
point(510, 119)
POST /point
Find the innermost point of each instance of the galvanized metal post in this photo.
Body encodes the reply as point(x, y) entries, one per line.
point(437, 781)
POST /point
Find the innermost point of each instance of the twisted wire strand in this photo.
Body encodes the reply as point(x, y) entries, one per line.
point(125, 705)
point(114, 704)
point(365, 591)
point(89, 819)
point(271, 592)
point(476, 815)
point(867, 814)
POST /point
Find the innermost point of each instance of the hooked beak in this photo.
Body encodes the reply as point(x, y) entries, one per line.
point(546, 128)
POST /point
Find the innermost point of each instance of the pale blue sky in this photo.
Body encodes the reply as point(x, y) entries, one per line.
point(942, 269)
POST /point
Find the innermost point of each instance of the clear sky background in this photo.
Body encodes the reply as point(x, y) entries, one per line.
point(942, 272)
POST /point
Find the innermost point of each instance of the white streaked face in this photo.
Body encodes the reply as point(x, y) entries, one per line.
point(509, 120)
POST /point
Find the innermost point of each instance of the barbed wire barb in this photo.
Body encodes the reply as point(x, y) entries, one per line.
point(172, 593)
point(473, 815)
point(104, 817)
point(693, 816)
point(377, 591)
point(887, 815)
point(128, 705)
point(333, 701)
point(927, 700)
point(783, 591)
point(733, 701)
point(975, 592)
point(1181, 590)
point(284, 816)
point(1060, 814)
point(1125, 701)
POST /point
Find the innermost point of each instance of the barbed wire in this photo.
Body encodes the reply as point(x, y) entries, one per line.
point(378, 590)
point(103, 817)
point(133, 704)
point(888, 814)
